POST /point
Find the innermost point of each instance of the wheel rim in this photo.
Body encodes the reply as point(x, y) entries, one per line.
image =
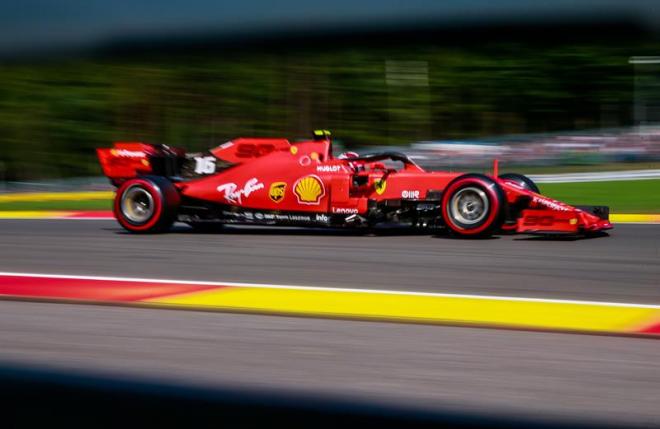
point(137, 204)
point(469, 206)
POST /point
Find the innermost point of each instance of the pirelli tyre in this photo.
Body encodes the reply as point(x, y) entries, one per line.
point(521, 181)
point(473, 205)
point(146, 204)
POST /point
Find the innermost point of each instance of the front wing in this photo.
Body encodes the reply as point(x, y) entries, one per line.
point(543, 215)
point(565, 222)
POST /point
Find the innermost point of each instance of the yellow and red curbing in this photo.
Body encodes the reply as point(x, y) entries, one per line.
point(450, 309)
point(635, 218)
point(57, 196)
point(57, 214)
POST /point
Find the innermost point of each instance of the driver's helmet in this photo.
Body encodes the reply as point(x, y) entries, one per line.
point(356, 166)
point(347, 155)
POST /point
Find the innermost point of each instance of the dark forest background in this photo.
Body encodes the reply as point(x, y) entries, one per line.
point(54, 112)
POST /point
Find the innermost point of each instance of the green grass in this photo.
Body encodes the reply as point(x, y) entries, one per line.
point(634, 196)
point(631, 196)
point(585, 168)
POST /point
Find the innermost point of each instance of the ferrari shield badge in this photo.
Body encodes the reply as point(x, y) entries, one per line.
point(380, 185)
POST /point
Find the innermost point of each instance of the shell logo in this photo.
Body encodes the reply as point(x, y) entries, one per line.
point(309, 190)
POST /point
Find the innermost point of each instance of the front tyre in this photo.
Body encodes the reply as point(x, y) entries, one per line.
point(146, 204)
point(521, 181)
point(473, 205)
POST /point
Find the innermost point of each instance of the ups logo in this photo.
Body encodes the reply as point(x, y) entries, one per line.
point(276, 192)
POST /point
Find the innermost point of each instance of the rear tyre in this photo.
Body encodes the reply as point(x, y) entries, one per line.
point(473, 205)
point(146, 204)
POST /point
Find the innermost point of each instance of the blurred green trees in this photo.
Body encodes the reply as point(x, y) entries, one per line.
point(54, 113)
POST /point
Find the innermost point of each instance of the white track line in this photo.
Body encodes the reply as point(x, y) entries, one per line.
point(329, 289)
point(599, 176)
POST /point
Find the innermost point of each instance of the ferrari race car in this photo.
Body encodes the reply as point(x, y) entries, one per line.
point(271, 181)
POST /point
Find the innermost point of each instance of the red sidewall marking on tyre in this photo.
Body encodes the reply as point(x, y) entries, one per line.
point(493, 200)
point(158, 203)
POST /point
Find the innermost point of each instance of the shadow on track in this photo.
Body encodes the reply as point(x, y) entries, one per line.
point(599, 234)
point(289, 231)
point(448, 236)
point(354, 232)
point(42, 397)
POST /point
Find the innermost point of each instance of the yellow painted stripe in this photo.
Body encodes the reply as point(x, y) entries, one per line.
point(57, 196)
point(33, 214)
point(515, 313)
point(633, 218)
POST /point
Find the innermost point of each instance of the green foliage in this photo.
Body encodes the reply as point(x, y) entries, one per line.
point(53, 114)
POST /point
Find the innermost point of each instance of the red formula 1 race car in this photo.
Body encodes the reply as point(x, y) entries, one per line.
point(271, 181)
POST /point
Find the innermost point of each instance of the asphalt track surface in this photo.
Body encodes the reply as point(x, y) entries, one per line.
point(614, 379)
point(624, 267)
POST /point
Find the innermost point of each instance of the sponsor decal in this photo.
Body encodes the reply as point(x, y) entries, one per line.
point(329, 168)
point(294, 150)
point(380, 185)
point(226, 145)
point(539, 220)
point(234, 195)
point(344, 210)
point(204, 165)
point(515, 184)
point(309, 190)
point(125, 153)
point(247, 216)
point(293, 217)
point(426, 207)
point(410, 194)
point(276, 191)
point(551, 204)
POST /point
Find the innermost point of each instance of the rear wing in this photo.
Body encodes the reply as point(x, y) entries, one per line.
point(130, 159)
